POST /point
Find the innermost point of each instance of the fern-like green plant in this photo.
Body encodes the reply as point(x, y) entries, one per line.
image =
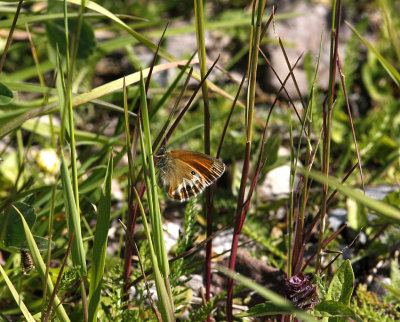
point(180, 269)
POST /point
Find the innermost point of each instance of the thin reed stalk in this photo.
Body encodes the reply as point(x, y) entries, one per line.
point(239, 215)
point(327, 123)
point(201, 47)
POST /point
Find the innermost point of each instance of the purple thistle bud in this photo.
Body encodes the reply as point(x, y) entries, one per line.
point(301, 292)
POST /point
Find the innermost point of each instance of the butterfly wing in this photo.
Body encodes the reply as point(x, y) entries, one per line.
point(191, 173)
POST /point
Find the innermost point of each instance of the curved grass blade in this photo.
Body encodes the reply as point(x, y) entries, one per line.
point(16, 296)
point(277, 300)
point(380, 207)
point(393, 73)
point(41, 267)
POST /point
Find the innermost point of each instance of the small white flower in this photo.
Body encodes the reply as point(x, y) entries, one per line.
point(48, 160)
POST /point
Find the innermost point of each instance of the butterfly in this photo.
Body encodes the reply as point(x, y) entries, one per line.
point(185, 174)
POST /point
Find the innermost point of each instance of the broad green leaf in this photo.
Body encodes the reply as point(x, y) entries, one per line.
point(341, 287)
point(15, 235)
point(6, 95)
point(56, 33)
point(42, 243)
point(335, 309)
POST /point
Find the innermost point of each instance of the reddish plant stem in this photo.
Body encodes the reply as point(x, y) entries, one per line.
point(209, 215)
point(327, 117)
point(240, 216)
point(239, 220)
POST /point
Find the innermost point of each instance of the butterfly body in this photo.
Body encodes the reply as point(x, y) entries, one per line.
point(185, 174)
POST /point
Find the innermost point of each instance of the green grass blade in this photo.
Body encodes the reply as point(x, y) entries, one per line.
point(170, 89)
point(16, 296)
point(145, 41)
point(380, 207)
point(119, 83)
point(41, 268)
point(160, 260)
point(393, 73)
point(163, 297)
point(73, 220)
point(100, 244)
point(276, 299)
point(44, 129)
point(157, 224)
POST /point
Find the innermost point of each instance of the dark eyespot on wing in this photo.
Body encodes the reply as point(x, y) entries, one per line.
point(209, 172)
point(198, 174)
